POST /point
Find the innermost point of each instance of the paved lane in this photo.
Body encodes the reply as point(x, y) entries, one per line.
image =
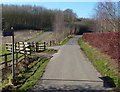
point(40, 37)
point(69, 69)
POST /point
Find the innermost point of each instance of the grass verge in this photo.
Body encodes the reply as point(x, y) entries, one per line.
point(28, 85)
point(49, 51)
point(66, 40)
point(100, 61)
point(27, 75)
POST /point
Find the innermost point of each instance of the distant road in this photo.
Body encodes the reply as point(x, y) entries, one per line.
point(39, 38)
point(69, 69)
point(54, 47)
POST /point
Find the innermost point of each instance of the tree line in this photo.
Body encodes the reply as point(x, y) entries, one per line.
point(37, 17)
point(105, 19)
point(27, 17)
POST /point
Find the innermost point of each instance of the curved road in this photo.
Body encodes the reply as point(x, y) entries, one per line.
point(69, 69)
point(39, 38)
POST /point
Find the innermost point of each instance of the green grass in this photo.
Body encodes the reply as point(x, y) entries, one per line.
point(99, 60)
point(9, 57)
point(3, 50)
point(28, 72)
point(66, 40)
point(50, 51)
point(28, 85)
point(3, 83)
point(28, 77)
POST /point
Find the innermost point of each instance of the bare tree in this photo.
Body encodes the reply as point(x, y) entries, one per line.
point(106, 17)
point(63, 23)
point(58, 25)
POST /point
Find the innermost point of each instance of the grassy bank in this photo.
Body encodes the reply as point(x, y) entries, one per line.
point(27, 75)
point(100, 61)
point(49, 51)
point(30, 82)
point(63, 42)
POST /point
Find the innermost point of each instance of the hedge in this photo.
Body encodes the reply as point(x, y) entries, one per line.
point(108, 43)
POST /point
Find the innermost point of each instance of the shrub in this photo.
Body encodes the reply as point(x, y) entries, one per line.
point(107, 43)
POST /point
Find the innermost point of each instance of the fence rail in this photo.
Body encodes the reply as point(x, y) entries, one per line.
point(22, 49)
point(7, 63)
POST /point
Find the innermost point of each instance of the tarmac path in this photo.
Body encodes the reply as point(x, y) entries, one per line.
point(39, 38)
point(70, 69)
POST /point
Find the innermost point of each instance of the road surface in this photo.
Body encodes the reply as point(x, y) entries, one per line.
point(54, 47)
point(69, 69)
point(39, 38)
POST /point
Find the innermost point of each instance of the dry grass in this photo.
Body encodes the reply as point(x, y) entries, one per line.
point(50, 37)
point(21, 35)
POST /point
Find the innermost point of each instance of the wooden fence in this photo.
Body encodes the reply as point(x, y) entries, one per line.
point(38, 46)
point(22, 50)
point(6, 60)
point(24, 47)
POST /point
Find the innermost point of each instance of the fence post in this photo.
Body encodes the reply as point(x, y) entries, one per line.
point(16, 59)
point(24, 52)
point(13, 76)
point(50, 43)
point(24, 57)
point(44, 46)
point(36, 47)
point(5, 60)
point(18, 47)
